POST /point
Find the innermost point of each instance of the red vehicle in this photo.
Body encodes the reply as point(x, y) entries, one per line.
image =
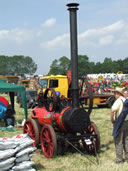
point(54, 124)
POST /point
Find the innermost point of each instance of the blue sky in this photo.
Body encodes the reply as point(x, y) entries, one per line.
point(40, 29)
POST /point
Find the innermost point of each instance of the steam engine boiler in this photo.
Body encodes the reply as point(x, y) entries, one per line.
point(53, 125)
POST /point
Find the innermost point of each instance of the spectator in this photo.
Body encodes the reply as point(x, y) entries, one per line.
point(9, 118)
point(121, 128)
point(116, 110)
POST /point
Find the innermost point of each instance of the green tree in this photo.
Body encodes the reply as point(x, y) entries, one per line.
point(29, 65)
point(120, 63)
point(86, 67)
point(64, 65)
point(124, 67)
point(115, 67)
point(83, 65)
point(106, 66)
point(54, 67)
point(17, 65)
point(4, 64)
point(98, 68)
point(60, 66)
point(91, 68)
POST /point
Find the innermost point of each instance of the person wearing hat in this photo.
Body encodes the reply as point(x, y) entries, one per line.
point(121, 126)
point(115, 112)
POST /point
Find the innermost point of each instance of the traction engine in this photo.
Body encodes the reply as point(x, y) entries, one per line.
point(57, 123)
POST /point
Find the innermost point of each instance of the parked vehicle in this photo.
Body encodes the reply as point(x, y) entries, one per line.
point(55, 127)
point(102, 97)
point(58, 82)
point(31, 98)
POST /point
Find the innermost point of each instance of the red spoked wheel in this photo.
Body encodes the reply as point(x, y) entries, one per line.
point(95, 142)
point(48, 141)
point(31, 128)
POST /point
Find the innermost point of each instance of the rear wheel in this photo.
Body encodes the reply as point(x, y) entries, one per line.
point(31, 128)
point(95, 141)
point(102, 106)
point(110, 101)
point(48, 141)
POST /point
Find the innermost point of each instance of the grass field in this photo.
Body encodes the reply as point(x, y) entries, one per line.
point(76, 161)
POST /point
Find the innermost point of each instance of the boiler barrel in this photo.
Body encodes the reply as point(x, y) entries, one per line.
point(75, 120)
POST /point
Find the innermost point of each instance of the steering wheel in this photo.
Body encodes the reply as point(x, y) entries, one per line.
point(50, 99)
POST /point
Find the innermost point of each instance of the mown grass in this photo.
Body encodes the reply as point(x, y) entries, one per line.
point(76, 161)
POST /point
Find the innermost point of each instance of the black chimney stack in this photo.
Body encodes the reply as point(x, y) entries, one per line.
point(72, 7)
point(74, 119)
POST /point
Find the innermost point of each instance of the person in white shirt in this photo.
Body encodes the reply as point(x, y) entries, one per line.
point(115, 112)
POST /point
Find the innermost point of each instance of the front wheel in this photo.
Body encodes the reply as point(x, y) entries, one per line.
point(48, 141)
point(31, 128)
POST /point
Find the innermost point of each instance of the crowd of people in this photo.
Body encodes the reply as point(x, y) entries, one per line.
point(103, 85)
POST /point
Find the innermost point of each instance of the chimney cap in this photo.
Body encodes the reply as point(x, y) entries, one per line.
point(73, 5)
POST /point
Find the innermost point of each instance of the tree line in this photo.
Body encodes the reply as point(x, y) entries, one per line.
point(20, 65)
point(17, 65)
point(85, 67)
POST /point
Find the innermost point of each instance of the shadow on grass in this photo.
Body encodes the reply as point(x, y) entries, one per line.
point(105, 147)
point(38, 166)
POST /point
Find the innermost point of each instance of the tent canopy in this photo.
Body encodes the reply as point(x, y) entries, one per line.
point(12, 88)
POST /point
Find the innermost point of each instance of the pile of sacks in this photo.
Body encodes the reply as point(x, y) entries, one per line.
point(16, 153)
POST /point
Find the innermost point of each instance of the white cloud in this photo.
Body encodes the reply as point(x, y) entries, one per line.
point(3, 34)
point(115, 33)
point(111, 34)
point(17, 35)
point(59, 42)
point(92, 38)
point(106, 40)
point(49, 23)
point(113, 28)
point(122, 41)
point(21, 35)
